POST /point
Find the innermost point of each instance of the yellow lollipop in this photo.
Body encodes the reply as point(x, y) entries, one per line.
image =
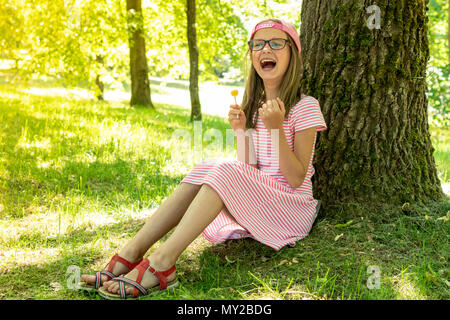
point(234, 93)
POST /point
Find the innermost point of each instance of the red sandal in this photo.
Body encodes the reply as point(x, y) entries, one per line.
point(108, 272)
point(139, 290)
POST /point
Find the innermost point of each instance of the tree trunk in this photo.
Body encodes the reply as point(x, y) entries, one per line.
point(100, 85)
point(370, 82)
point(140, 86)
point(196, 111)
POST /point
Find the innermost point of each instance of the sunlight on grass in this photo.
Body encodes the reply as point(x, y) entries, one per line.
point(27, 257)
point(44, 145)
point(404, 287)
point(73, 93)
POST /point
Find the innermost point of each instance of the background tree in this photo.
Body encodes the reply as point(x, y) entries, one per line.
point(438, 73)
point(140, 85)
point(371, 87)
point(196, 110)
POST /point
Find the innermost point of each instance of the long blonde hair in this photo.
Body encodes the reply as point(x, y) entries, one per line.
point(290, 92)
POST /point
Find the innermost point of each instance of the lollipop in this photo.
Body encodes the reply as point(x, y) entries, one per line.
point(234, 93)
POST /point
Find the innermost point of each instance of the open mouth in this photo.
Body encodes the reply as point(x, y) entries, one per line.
point(267, 64)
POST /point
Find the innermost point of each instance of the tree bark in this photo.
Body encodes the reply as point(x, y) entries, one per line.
point(99, 82)
point(196, 111)
point(140, 85)
point(371, 86)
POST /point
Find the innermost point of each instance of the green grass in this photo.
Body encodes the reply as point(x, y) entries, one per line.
point(78, 178)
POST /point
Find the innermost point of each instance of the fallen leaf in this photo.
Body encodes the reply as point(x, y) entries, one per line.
point(282, 262)
point(405, 206)
point(229, 260)
point(444, 218)
point(430, 277)
point(343, 225)
point(338, 237)
point(56, 286)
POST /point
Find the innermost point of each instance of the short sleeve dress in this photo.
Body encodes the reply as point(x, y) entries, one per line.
point(261, 201)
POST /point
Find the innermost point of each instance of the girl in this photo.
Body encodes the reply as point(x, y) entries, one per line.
point(265, 194)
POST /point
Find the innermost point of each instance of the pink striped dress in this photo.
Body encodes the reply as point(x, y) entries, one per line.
point(262, 203)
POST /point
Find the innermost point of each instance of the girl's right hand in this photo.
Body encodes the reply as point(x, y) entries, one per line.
point(236, 117)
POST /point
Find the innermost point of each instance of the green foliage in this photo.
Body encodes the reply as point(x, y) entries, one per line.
point(77, 40)
point(438, 73)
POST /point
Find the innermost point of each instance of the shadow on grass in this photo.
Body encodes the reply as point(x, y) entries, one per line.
point(318, 267)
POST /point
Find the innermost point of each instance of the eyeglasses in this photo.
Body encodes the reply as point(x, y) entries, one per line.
point(275, 44)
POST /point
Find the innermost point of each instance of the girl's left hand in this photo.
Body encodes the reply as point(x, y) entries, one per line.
point(272, 114)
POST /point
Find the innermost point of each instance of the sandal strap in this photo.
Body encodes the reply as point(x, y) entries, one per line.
point(137, 287)
point(98, 277)
point(162, 276)
point(110, 266)
point(117, 258)
point(143, 266)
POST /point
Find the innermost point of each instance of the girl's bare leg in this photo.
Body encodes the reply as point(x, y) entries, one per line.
point(201, 212)
point(160, 223)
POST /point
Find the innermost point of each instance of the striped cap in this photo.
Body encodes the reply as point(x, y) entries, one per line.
point(284, 26)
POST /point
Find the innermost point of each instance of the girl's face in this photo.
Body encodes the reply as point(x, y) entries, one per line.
point(271, 64)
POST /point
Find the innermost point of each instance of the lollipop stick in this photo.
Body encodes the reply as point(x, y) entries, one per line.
point(234, 93)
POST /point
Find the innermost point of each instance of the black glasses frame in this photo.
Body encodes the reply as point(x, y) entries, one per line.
point(270, 42)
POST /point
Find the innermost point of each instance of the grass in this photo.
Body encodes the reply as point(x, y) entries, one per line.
point(78, 178)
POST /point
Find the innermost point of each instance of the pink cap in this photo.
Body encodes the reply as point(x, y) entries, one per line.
point(284, 26)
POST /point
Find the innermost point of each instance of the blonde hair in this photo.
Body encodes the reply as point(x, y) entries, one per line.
point(290, 92)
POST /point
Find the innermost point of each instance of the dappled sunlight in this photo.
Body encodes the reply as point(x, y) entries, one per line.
point(49, 228)
point(405, 289)
point(271, 291)
point(174, 169)
point(74, 93)
point(50, 225)
point(446, 188)
point(14, 258)
point(117, 95)
point(24, 143)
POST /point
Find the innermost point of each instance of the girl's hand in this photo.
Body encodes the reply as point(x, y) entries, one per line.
point(236, 117)
point(272, 114)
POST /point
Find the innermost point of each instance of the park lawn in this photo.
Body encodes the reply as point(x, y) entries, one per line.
point(78, 178)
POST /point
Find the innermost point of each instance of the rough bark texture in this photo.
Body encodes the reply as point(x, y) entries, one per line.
point(371, 87)
point(196, 111)
point(140, 85)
